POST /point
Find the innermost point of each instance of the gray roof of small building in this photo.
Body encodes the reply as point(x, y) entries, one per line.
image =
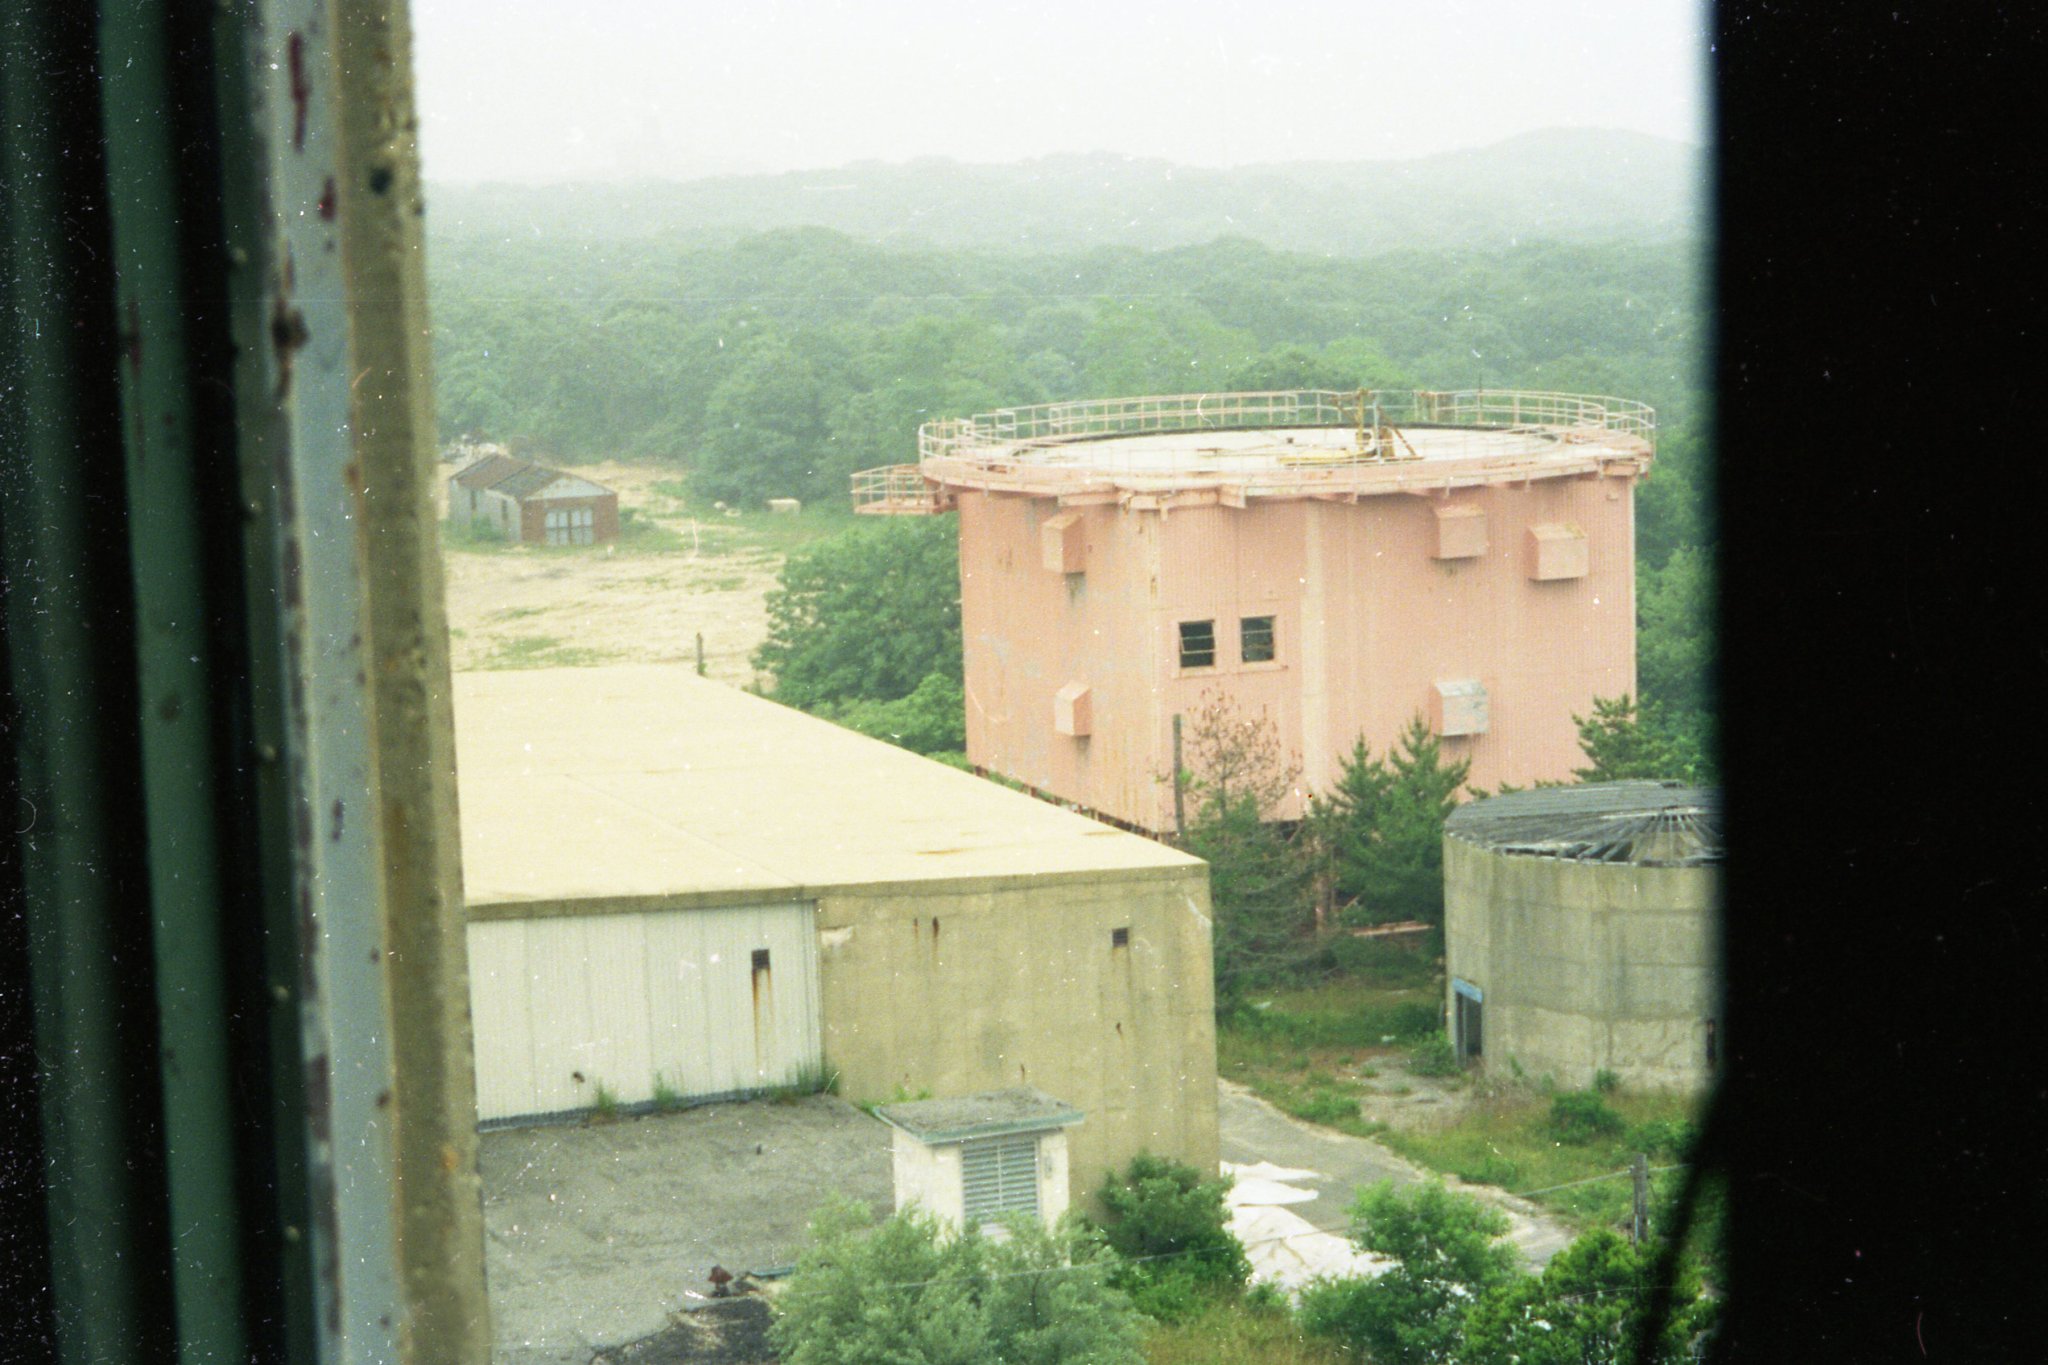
point(491, 471)
point(992, 1113)
point(1650, 824)
point(514, 477)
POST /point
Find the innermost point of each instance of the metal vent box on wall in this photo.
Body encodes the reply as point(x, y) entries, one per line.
point(1554, 550)
point(1460, 531)
point(971, 1159)
point(1063, 543)
point(1073, 710)
point(1458, 708)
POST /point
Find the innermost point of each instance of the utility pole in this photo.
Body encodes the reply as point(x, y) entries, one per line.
point(1639, 1220)
point(1180, 815)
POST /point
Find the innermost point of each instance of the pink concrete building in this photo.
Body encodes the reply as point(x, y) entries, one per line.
point(1341, 562)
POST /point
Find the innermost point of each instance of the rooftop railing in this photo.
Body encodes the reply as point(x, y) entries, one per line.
point(893, 489)
point(1006, 432)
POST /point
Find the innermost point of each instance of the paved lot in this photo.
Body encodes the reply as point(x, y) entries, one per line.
point(598, 1234)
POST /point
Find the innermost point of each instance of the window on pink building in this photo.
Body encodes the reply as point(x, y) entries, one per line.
point(1197, 644)
point(1255, 639)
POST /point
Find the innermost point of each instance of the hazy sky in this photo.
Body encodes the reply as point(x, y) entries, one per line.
point(540, 90)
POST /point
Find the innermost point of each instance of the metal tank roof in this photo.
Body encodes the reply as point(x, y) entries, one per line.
point(1655, 824)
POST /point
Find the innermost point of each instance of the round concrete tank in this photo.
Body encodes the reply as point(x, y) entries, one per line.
point(1340, 562)
point(1581, 932)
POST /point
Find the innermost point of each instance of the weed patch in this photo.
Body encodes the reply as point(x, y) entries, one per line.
point(604, 1106)
point(1433, 1056)
point(1326, 1106)
point(1234, 1331)
point(1505, 1139)
point(474, 537)
point(1579, 1117)
point(538, 651)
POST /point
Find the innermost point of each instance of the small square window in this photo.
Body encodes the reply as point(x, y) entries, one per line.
point(1120, 938)
point(1197, 644)
point(1255, 639)
point(760, 959)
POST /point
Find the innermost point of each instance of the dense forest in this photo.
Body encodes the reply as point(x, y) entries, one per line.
point(777, 364)
point(1558, 184)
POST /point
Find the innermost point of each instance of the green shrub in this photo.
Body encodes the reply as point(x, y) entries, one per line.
point(1325, 1106)
point(1578, 1117)
point(1375, 963)
point(1606, 1082)
point(1446, 1249)
point(1433, 1056)
point(1172, 1227)
point(931, 719)
point(1586, 1305)
point(1662, 1137)
point(604, 1105)
point(899, 1290)
point(1165, 1291)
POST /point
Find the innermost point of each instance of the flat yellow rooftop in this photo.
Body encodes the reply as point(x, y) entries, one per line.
point(644, 781)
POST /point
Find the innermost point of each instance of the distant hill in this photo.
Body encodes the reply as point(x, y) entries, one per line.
point(1560, 184)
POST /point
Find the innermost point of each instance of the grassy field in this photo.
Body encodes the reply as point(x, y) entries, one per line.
point(1230, 1333)
point(1353, 1051)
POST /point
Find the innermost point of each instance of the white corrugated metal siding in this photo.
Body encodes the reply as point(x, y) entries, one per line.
point(564, 1004)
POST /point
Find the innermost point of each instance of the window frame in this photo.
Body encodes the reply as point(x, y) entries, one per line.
point(1182, 651)
point(1272, 634)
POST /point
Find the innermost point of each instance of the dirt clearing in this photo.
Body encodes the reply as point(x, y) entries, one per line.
point(676, 571)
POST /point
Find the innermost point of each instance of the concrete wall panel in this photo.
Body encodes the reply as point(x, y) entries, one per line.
point(1027, 987)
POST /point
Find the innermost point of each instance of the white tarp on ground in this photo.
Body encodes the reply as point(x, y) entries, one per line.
point(1264, 1170)
point(1286, 1250)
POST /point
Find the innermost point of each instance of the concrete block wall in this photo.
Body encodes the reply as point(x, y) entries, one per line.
point(1020, 981)
point(1586, 966)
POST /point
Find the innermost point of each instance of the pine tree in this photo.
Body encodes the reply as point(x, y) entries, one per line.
point(1623, 740)
point(1382, 827)
point(1261, 870)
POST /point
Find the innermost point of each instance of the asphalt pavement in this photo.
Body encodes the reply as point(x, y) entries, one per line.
point(1252, 1131)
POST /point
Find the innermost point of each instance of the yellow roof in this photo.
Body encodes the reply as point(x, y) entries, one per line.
point(644, 781)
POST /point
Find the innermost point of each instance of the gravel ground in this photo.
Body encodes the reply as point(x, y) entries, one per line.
point(598, 1234)
point(728, 1332)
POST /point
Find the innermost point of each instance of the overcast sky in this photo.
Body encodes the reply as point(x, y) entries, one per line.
point(548, 90)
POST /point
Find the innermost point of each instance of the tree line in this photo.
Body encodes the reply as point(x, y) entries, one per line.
point(776, 365)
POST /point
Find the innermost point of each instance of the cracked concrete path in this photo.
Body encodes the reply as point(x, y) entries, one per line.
point(1252, 1130)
